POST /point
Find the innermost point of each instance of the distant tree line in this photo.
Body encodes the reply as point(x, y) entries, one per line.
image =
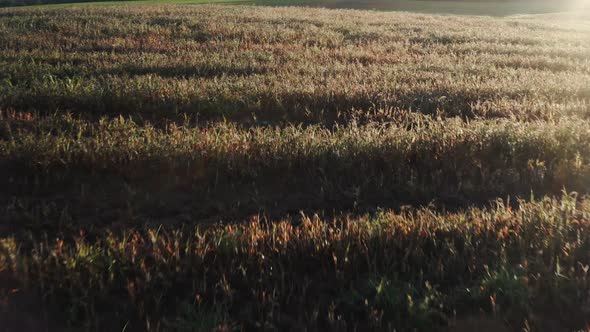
point(9, 3)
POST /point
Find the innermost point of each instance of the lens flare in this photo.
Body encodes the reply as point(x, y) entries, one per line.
point(580, 5)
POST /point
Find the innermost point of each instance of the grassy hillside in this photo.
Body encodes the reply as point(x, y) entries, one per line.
point(230, 167)
point(461, 7)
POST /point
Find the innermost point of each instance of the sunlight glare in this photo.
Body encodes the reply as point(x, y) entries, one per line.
point(580, 5)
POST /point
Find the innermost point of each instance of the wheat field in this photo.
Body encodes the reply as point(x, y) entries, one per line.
point(182, 168)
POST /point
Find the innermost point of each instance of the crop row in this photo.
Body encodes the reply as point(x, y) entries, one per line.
point(415, 269)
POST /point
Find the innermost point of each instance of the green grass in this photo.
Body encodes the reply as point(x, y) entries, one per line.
point(178, 167)
point(146, 3)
